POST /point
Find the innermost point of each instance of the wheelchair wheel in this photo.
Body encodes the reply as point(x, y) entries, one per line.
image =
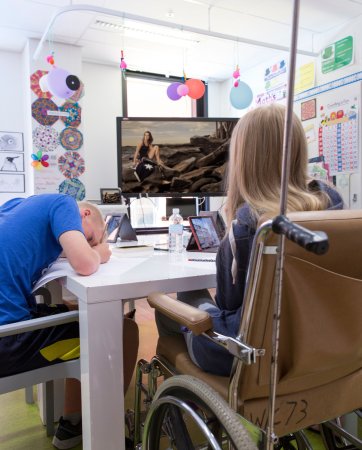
point(186, 413)
point(337, 438)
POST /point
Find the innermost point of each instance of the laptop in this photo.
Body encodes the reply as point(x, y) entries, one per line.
point(204, 236)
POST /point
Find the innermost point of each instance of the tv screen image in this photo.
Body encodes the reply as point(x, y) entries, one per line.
point(193, 154)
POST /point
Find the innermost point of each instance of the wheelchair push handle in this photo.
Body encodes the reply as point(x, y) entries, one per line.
point(313, 241)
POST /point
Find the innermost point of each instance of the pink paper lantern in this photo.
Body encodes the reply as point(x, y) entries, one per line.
point(182, 90)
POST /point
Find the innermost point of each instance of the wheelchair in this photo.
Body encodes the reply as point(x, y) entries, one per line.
point(318, 376)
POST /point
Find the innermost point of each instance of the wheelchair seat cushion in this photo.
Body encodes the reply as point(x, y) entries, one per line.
point(174, 349)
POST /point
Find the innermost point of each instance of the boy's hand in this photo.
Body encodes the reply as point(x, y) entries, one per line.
point(103, 251)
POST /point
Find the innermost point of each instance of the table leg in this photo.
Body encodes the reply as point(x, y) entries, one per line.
point(101, 332)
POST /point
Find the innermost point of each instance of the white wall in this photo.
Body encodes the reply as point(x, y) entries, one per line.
point(102, 104)
point(11, 100)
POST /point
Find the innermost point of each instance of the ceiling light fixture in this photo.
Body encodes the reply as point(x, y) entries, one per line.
point(196, 2)
point(177, 34)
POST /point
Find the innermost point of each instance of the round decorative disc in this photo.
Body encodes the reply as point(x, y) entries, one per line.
point(71, 164)
point(73, 187)
point(45, 138)
point(71, 138)
point(40, 109)
point(73, 118)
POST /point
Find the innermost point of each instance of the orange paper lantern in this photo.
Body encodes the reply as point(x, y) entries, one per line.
point(196, 88)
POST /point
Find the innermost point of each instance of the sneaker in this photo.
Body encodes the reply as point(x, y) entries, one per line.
point(67, 435)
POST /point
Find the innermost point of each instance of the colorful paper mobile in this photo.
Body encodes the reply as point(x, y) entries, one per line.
point(35, 86)
point(78, 94)
point(73, 187)
point(59, 82)
point(236, 76)
point(39, 160)
point(73, 117)
point(192, 87)
point(71, 138)
point(45, 138)
point(241, 96)
point(123, 65)
point(71, 164)
point(40, 110)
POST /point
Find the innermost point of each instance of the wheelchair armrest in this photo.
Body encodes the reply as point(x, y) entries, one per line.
point(37, 324)
point(194, 319)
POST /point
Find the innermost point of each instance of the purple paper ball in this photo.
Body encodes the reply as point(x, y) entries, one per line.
point(172, 91)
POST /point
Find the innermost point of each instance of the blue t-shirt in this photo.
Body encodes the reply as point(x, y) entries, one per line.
point(29, 241)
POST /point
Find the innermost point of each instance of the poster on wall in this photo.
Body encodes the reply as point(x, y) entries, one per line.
point(275, 79)
point(11, 141)
point(11, 162)
point(337, 55)
point(338, 136)
point(304, 77)
point(308, 110)
point(10, 182)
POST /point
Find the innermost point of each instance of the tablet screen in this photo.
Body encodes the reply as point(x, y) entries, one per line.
point(204, 231)
point(113, 222)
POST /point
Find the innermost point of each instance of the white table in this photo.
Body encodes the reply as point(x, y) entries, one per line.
point(129, 274)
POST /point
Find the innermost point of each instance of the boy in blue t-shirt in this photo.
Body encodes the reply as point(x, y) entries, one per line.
point(34, 232)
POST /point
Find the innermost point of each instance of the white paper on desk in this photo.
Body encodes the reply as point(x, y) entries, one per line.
point(60, 268)
point(120, 266)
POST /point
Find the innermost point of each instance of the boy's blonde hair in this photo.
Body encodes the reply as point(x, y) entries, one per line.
point(255, 164)
point(96, 213)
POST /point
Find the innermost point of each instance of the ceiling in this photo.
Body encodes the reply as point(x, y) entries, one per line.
point(169, 50)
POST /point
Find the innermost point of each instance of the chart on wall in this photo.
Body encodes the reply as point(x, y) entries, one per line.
point(58, 153)
point(330, 115)
point(338, 135)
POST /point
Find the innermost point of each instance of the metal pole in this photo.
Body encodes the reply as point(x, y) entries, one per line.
point(287, 139)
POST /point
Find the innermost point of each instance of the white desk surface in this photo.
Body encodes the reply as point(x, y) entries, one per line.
point(129, 274)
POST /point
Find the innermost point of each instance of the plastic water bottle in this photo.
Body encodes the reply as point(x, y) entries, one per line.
point(175, 232)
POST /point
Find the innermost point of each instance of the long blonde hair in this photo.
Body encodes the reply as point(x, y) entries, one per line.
point(254, 174)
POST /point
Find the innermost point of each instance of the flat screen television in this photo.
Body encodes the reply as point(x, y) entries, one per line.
point(193, 151)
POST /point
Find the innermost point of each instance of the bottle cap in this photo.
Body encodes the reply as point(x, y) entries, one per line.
point(175, 210)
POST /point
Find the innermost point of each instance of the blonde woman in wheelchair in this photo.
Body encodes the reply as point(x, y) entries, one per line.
point(254, 184)
point(229, 339)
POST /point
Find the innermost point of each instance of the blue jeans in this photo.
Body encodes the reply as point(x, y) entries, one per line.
point(200, 299)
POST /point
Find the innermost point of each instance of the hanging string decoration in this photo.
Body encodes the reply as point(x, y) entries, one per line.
point(241, 95)
point(236, 76)
point(123, 65)
point(192, 87)
point(39, 160)
point(59, 82)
